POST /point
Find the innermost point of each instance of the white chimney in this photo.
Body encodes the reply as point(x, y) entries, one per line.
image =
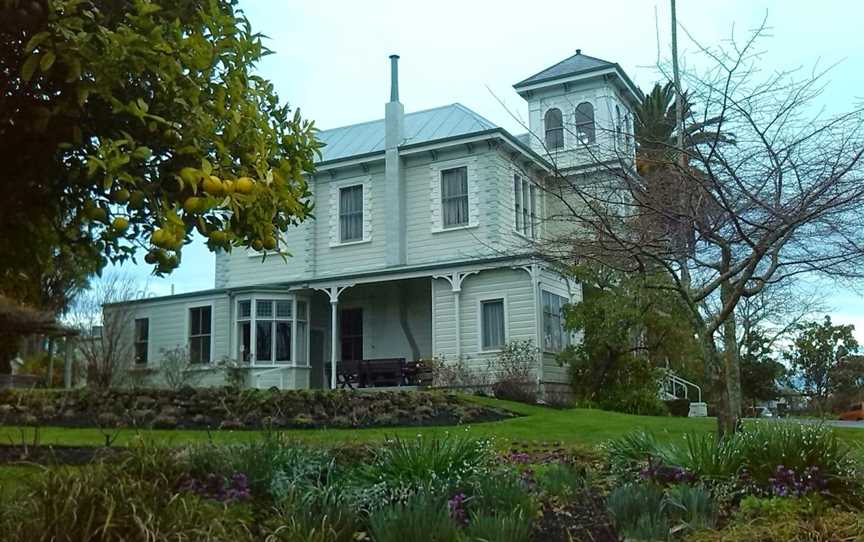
point(394, 184)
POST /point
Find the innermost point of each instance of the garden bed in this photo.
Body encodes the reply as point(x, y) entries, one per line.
point(226, 408)
point(57, 455)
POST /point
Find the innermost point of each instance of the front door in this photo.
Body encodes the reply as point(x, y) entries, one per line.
point(351, 334)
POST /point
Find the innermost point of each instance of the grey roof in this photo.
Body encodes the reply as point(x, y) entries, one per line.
point(420, 127)
point(574, 65)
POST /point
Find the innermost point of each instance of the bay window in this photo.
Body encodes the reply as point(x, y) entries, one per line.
point(555, 337)
point(266, 335)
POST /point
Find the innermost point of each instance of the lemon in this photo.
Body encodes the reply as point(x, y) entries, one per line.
point(269, 243)
point(212, 185)
point(120, 223)
point(257, 244)
point(244, 185)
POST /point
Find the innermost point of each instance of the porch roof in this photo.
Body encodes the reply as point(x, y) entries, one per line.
point(312, 283)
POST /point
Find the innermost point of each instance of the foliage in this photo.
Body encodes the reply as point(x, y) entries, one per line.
point(513, 527)
point(786, 520)
point(631, 327)
point(691, 507)
point(637, 511)
point(816, 353)
point(561, 480)
point(290, 522)
point(423, 516)
point(763, 457)
point(39, 364)
point(145, 121)
point(131, 500)
point(458, 374)
point(403, 467)
point(236, 372)
point(176, 369)
point(514, 378)
point(760, 372)
point(502, 492)
point(678, 407)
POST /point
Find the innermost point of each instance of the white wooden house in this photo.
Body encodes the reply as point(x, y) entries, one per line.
point(424, 243)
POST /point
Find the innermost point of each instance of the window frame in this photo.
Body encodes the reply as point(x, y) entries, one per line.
point(559, 128)
point(565, 335)
point(481, 301)
point(137, 342)
point(189, 336)
point(525, 206)
point(577, 124)
point(361, 212)
point(466, 195)
point(274, 319)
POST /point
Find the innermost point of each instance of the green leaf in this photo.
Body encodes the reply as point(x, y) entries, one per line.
point(35, 41)
point(141, 153)
point(29, 67)
point(47, 60)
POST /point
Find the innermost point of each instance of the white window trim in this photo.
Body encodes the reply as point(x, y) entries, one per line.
point(492, 297)
point(537, 198)
point(335, 188)
point(197, 305)
point(575, 132)
point(473, 193)
point(253, 362)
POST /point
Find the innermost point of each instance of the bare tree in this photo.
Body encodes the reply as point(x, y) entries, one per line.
point(106, 341)
point(731, 219)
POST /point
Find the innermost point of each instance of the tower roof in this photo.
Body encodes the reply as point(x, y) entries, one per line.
point(575, 66)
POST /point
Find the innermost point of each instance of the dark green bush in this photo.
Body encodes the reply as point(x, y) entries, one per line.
point(678, 407)
point(423, 516)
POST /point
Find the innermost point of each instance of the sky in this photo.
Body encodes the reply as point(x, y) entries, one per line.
point(330, 59)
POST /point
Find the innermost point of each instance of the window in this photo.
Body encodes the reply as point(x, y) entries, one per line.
point(273, 330)
point(142, 339)
point(351, 213)
point(454, 197)
point(266, 329)
point(585, 123)
point(199, 334)
point(619, 126)
point(554, 129)
point(244, 330)
point(492, 324)
point(555, 337)
point(525, 199)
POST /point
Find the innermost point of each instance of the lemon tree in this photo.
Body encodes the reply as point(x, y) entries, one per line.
point(125, 126)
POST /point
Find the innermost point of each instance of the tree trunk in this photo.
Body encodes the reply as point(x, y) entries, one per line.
point(729, 413)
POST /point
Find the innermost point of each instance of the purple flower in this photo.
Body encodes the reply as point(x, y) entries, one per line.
point(456, 506)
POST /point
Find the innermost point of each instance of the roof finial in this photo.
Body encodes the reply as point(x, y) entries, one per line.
point(578, 51)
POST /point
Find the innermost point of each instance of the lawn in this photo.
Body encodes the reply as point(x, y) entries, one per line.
point(575, 427)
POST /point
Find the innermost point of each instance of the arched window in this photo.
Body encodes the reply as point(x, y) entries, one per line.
point(585, 123)
point(554, 129)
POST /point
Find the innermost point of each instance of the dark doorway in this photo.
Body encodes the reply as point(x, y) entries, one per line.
point(351, 334)
point(316, 358)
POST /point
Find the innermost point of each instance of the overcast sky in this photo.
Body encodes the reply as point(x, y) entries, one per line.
point(330, 60)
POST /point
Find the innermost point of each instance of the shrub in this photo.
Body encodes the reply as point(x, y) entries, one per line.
point(132, 500)
point(831, 525)
point(402, 467)
point(678, 407)
point(637, 511)
point(561, 480)
point(691, 507)
point(423, 516)
point(502, 492)
point(300, 522)
point(514, 380)
point(515, 527)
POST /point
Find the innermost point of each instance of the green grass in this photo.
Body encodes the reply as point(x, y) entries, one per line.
point(577, 427)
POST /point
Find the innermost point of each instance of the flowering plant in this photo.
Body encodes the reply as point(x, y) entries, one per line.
point(218, 488)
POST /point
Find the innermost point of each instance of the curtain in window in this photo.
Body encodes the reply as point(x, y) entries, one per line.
point(283, 341)
point(585, 122)
point(493, 323)
point(454, 197)
point(244, 339)
point(351, 213)
point(554, 123)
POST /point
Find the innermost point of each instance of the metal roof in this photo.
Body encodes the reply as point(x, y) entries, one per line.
point(420, 127)
point(576, 64)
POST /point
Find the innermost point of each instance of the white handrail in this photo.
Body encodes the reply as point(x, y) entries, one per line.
point(675, 379)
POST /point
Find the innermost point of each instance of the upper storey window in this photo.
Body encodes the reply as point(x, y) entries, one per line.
point(585, 123)
point(454, 197)
point(351, 213)
point(554, 123)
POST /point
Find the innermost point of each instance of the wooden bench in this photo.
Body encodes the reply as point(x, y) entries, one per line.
point(370, 373)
